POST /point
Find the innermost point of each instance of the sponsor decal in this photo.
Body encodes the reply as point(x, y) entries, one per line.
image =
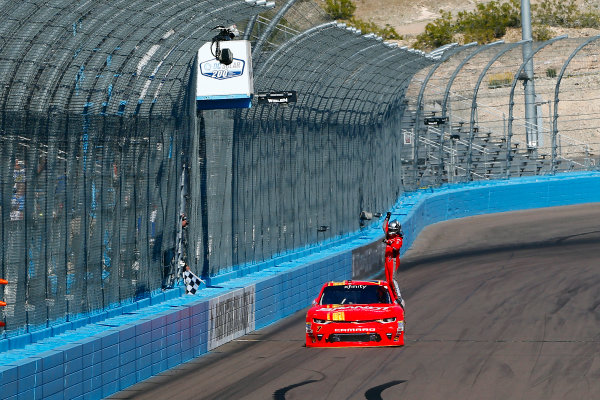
point(354, 330)
point(356, 308)
point(326, 306)
point(336, 316)
point(214, 69)
point(231, 316)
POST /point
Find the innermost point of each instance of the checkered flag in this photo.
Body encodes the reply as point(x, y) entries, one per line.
point(192, 282)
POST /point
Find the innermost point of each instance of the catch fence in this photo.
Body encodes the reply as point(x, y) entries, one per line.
point(467, 114)
point(104, 152)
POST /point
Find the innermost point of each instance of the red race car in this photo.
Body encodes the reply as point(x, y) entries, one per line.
point(355, 314)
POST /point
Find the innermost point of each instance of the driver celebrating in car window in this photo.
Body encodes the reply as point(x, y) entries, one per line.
point(393, 243)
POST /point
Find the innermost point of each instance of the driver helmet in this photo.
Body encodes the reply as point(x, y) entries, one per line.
point(394, 228)
point(382, 296)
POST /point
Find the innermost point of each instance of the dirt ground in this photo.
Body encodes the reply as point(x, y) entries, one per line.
point(409, 17)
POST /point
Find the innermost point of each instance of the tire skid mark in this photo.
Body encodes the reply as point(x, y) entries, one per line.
point(279, 394)
point(375, 392)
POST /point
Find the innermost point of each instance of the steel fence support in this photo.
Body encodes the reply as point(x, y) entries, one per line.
point(531, 128)
point(269, 29)
point(250, 27)
point(511, 102)
point(264, 66)
point(419, 112)
point(476, 92)
point(445, 105)
point(556, 100)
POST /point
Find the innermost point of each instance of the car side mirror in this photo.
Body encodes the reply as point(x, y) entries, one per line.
point(314, 302)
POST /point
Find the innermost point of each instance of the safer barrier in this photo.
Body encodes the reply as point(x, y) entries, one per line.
point(98, 359)
point(104, 357)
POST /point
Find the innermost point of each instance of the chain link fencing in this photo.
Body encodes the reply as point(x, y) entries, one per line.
point(104, 151)
point(285, 177)
point(96, 115)
point(467, 114)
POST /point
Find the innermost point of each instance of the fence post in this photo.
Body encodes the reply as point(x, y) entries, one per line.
point(3, 303)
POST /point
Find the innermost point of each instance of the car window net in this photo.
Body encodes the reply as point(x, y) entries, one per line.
point(370, 294)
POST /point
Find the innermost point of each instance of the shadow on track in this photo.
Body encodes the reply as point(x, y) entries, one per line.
point(375, 392)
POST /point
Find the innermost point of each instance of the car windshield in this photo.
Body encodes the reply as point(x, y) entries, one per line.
point(355, 294)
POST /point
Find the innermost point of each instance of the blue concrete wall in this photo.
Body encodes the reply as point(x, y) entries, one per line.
point(293, 289)
point(420, 209)
point(104, 356)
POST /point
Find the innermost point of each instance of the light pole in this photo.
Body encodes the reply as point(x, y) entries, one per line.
point(531, 128)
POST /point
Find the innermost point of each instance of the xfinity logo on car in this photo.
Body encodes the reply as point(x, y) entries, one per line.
point(355, 286)
point(214, 69)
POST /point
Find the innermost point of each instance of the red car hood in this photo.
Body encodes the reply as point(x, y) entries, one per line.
point(359, 312)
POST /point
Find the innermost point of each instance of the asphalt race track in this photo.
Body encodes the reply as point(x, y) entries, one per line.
point(504, 306)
